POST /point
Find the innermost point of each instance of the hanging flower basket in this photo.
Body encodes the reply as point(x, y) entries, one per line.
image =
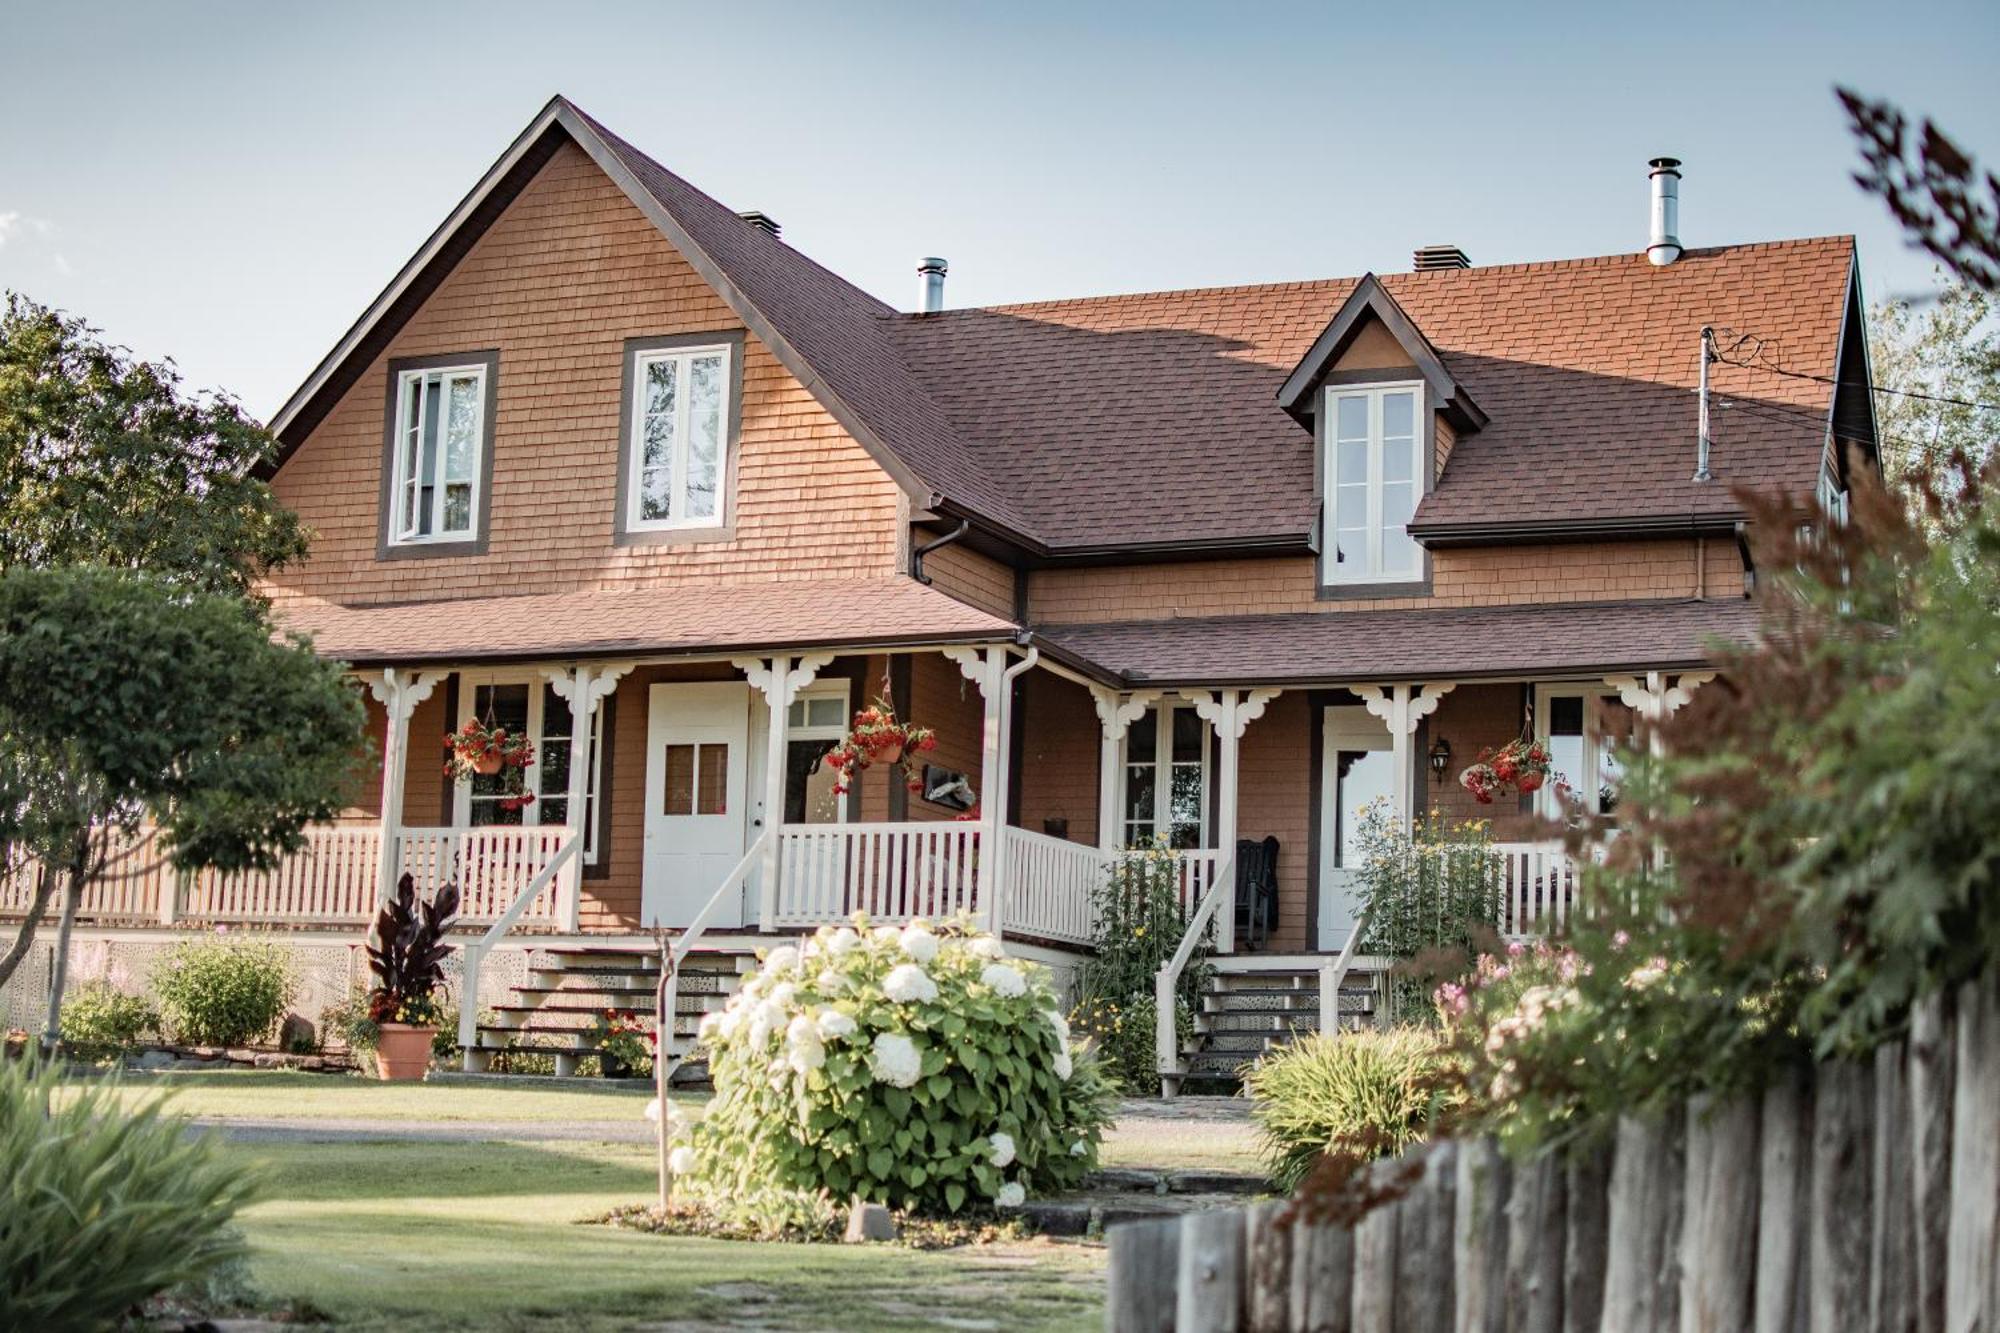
point(877, 736)
point(482, 750)
point(1522, 765)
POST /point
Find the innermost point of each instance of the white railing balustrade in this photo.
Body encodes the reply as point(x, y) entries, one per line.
point(1197, 868)
point(893, 872)
point(1052, 885)
point(1166, 1028)
point(329, 880)
point(490, 865)
point(1538, 889)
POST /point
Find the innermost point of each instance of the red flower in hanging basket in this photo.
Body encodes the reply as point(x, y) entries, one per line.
point(877, 737)
point(1482, 780)
point(480, 750)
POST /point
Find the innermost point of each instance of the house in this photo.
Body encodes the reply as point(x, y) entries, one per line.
point(614, 463)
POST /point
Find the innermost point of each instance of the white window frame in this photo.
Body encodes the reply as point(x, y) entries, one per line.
point(806, 731)
point(1369, 570)
point(1162, 763)
point(400, 520)
point(1548, 802)
point(635, 461)
point(531, 816)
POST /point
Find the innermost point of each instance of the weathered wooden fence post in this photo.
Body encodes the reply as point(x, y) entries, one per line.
point(1481, 1237)
point(1719, 1235)
point(1374, 1286)
point(1586, 1236)
point(1784, 1203)
point(1210, 1273)
point(1267, 1267)
point(1892, 1240)
point(1537, 1246)
point(1642, 1269)
point(1930, 1076)
point(1322, 1278)
point(1972, 1261)
point(1840, 1226)
point(1425, 1298)
point(1145, 1263)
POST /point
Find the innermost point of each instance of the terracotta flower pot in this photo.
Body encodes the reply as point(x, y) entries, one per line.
point(889, 753)
point(403, 1052)
point(1529, 781)
point(486, 765)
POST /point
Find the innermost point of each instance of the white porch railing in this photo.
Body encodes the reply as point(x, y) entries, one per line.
point(893, 872)
point(490, 866)
point(1051, 886)
point(1538, 888)
point(330, 880)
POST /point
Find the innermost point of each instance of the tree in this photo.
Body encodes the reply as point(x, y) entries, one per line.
point(125, 699)
point(103, 460)
point(1949, 352)
point(1933, 187)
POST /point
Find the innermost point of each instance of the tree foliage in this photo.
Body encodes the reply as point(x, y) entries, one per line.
point(1933, 187)
point(1948, 349)
point(103, 460)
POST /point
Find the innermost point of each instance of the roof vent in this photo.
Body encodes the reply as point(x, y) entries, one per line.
point(1431, 258)
point(763, 222)
point(1663, 246)
point(932, 271)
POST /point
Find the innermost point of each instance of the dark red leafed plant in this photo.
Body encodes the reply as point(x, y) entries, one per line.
point(406, 952)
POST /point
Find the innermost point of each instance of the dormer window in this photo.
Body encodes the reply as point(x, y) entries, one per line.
point(438, 455)
point(683, 396)
point(1374, 478)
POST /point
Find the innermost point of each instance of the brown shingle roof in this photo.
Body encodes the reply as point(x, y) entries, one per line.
point(704, 618)
point(1151, 417)
point(1349, 646)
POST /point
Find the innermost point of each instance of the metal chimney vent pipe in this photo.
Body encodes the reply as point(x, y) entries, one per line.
point(932, 271)
point(1664, 245)
point(1432, 258)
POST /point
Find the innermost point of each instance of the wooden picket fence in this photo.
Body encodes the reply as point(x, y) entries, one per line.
point(1864, 1197)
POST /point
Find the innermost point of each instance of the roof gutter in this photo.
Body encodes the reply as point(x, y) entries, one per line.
point(1436, 535)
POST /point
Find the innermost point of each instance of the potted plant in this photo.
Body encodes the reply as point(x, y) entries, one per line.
point(406, 952)
point(483, 749)
point(1522, 765)
point(624, 1045)
point(877, 736)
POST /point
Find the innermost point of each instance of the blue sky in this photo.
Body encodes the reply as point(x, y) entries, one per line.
point(231, 183)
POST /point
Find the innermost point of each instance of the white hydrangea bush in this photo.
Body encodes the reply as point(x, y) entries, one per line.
point(918, 1066)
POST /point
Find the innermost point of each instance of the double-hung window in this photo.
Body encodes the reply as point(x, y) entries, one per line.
point(440, 437)
point(678, 460)
point(1166, 777)
point(1374, 457)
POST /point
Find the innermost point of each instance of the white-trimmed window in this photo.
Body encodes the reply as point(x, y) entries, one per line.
point(679, 459)
point(1374, 457)
point(1166, 777)
point(520, 703)
point(816, 723)
point(1577, 722)
point(440, 435)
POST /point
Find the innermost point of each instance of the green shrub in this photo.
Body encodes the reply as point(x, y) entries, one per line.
point(222, 990)
point(1432, 896)
point(101, 1208)
point(1138, 925)
point(99, 1021)
point(920, 1068)
point(1367, 1094)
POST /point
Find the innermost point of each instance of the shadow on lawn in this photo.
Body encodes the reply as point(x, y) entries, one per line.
point(327, 1172)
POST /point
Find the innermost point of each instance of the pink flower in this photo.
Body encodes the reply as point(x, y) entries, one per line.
point(1515, 948)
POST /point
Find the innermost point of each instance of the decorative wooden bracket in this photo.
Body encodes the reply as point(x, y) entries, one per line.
point(1651, 698)
point(400, 694)
point(1386, 701)
point(1229, 710)
point(1118, 712)
point(601, 679)
point(797, 674)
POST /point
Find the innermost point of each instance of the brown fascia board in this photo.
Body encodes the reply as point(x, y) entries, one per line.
point(1370, 297)
point(1435, 535)
point(639, 648)
point(1302, 681)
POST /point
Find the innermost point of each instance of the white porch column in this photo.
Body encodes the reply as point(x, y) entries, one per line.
point(1653, 699)
point(1401, 709)
point(583, 688)
point(399, 691)
point(995, 678)
point(1229, 712)
point(780, 679)
point(1116, 713)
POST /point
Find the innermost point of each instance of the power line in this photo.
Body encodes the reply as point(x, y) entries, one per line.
point(1759, 361)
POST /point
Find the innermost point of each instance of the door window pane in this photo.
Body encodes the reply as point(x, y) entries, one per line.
point(711, 790)
point(679, 770)
point(809, 796)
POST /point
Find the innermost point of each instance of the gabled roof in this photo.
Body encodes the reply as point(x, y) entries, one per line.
point(1369, 300)
point(828, 333)
point(1112, 425)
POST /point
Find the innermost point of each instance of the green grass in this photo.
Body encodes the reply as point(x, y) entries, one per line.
point(483, 1236)
point(277, 1095)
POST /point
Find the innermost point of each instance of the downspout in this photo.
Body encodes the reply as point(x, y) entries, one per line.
point(1749, 563)
point(917, 555)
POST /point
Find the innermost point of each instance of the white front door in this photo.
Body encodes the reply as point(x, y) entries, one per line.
point(1357, 766)
point(697, 736)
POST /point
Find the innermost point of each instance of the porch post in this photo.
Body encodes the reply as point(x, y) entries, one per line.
point(995, 679)
point(1116, 713)
point(1229, 712)
point(399, 691)
point(583, 688)
point(780, 678)
point(1401, 707)
point(1652, 699)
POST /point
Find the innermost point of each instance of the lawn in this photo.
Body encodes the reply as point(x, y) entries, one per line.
point(483, 1236)
point(278, 1095)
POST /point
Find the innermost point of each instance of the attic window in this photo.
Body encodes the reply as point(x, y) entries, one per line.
point(1374, 478)
point(683, 398)
point(439, 436)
